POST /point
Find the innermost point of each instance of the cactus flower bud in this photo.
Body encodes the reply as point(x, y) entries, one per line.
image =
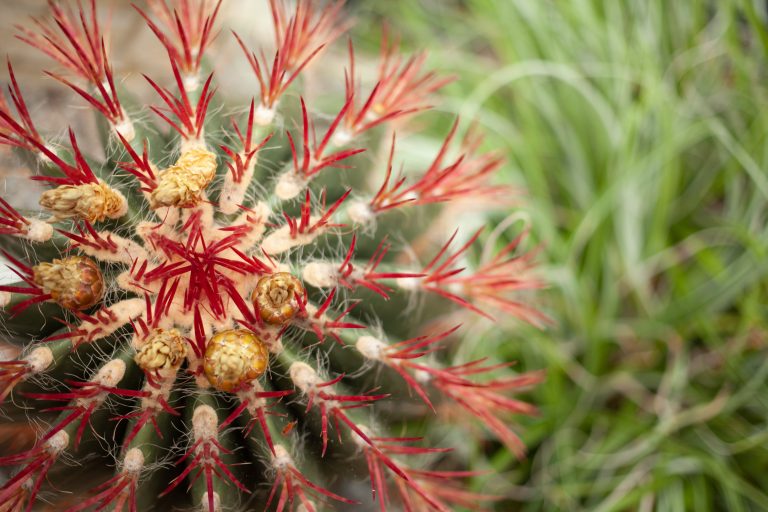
point(182, 184)
point(234, 358)
point(162, 350)
point(88, 201)
point(75, 282)
point(277, 296)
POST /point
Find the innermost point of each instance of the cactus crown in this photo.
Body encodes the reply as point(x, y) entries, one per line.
point(197, 316)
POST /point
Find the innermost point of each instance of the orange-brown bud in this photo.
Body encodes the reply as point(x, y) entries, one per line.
point(277, 296)
point(75, 282)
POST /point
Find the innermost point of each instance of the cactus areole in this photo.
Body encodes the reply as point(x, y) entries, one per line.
point(200, 296)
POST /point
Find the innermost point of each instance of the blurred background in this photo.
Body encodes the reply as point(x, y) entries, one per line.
point(638, 129)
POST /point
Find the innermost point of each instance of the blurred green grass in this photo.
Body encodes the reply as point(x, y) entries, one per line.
point(639, 130)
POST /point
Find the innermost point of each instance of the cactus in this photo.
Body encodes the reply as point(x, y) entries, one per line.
point(212, 306)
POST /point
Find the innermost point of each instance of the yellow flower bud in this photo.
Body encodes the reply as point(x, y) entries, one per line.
point(90, 201)
point(182, 184)
point(162, 350)
point(234, 358)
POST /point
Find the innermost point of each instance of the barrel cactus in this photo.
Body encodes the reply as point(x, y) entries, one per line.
point(219, 313)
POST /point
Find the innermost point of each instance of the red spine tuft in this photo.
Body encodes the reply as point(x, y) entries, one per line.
point(313, 160)
point(11, 221)
point(25, 273)
point(299, 37)
point(402, 89)
point(368, 277)
point(116, 493)
point(87, 236)
point(74, 39)
point(492, 283)
point(203, 459)
point(12, 373)
point(292, 487)
point(139, 166)
point(190, 117)
point(239, 162)
point(185, 29)
point(19, 132)
point(36, 464)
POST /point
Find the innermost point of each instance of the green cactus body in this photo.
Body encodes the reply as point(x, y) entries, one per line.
point(215, 319)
